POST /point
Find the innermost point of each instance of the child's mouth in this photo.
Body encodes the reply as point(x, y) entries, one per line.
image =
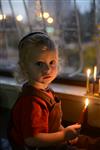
point(46, 77)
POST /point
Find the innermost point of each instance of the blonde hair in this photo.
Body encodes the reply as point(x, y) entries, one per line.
point(32, 41)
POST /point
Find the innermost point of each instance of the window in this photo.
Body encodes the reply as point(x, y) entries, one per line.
point(74, 25)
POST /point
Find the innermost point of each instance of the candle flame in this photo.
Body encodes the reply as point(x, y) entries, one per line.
point(88, 72)
point(86, 102)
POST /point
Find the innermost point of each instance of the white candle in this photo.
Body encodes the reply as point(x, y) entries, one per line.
point(88, 77)
point(95, 73)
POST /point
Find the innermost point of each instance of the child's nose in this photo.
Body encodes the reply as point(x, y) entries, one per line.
point(47, 69)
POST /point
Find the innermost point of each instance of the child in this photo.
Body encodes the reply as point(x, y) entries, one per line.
point(36, 116)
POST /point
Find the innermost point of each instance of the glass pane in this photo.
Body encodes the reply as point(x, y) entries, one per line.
point(72, 24)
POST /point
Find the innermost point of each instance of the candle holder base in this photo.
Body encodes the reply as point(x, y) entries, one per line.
point(93, 90)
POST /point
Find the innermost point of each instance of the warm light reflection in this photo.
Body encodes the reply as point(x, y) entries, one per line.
point(50, 20)
point(2, 17)
point(45, 14)
point(19, 18)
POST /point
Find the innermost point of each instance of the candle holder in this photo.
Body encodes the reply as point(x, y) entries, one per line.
point(92, 88)
point(88, 81)
point(95, 88)
point(99, 88)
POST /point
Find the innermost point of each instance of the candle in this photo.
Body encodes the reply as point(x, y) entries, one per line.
point(94, 81)
point(95, 73)
point(99, 87)
point(81, 119)
point(87, 83)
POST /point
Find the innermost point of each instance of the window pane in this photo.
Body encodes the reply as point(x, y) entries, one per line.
point(74, 25)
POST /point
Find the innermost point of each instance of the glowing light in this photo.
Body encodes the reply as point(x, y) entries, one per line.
point(86, 102)
point(45, 15)
point(50, 20)
point(19, 18)
point(2, 17)
point(82, 115)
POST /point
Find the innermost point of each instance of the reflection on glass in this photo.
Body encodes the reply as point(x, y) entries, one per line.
point(73, 25)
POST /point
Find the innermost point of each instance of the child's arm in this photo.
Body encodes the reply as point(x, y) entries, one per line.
point(49, 139)
point(61, 127)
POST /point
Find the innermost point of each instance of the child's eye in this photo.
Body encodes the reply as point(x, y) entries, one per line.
point(52, 62)
point(39, 64)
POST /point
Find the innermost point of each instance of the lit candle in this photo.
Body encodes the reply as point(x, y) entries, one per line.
point(87, 83)
point(81, 119)
point(95, 73)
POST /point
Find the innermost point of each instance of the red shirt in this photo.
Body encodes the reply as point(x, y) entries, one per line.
point(32, 114)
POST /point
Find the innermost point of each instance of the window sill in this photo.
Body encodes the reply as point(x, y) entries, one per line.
point(69, 90)
point(72, 99)
point(63, 90)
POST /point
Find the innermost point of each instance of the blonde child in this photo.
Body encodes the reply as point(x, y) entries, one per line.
point(36, 116)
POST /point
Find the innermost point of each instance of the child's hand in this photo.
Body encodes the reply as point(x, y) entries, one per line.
point(72, 131)
point(74, 141)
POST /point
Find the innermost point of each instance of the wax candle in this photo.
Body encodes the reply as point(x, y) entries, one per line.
point(81, 119)
point(94, 81)
point(88, 78)
point(95, 73)
point(99, 87)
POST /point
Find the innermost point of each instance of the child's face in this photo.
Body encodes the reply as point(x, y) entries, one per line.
point(42, 67)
